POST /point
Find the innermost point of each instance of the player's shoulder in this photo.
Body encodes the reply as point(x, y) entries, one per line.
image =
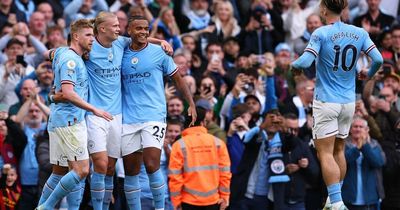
point(122, 42)
point(71, 59)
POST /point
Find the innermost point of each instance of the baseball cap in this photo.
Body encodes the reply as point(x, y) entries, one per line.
point(393, 75)
point(203, 103)
point(282, 46)
point(3, 108)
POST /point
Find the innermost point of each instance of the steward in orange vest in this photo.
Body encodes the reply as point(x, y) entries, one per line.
point(199, 169)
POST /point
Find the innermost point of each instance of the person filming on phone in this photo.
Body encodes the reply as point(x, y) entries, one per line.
point(12, 71)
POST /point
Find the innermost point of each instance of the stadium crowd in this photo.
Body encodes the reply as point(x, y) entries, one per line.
point(235, 56)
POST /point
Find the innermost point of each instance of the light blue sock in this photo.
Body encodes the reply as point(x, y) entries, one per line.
point(49, 187)
point(97, 190)
point(74, 198)
point(334, 192)
point(132, 192)
point(65, 186)
point(157, 187)
point(109, 186)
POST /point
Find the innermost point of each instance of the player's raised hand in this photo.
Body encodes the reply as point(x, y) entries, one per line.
point(363, 74)
point(167, 47)
point(103, 114)
point(192, 112)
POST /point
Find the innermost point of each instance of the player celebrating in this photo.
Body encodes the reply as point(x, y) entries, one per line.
point(144, 111)
point(67, 126)
point(336, 47)
point(104, 71)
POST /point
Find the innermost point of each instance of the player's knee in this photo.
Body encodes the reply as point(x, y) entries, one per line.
point(110, 170)
point(83, 172)
point(152, 166)
point(100, 166)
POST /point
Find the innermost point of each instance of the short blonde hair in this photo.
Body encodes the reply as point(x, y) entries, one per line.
point(102, 17)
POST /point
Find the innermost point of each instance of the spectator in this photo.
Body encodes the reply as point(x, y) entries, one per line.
point(47, 11)
point(32, 125)
point(313, 22)
point(182, 63)
point(384, 43)
point(231, 49)
point(191, 83)
point(357, 7)
point(255, 176)
point(209, 122)
point(361, 112)
point(55, 37)
point(237, 129)
point(78, 9)
point(157, 5)
point(263, 31)
point(374, 21)
point(124, 5)
point(10, 14)
point(123, 22)
point(217, 66)
point(392, 80)
point(28, 86)
point(12, 71)
point(396, 45)
point(294, 18)
point(188, 181)
point(166, 26)
point(10, 189)
point(300, 165)
point(43, 76)
point(32, 56)
point(26, 6)
point(365, 159)
point(140, 10)
point(226, 24)
point(284, 79)
point(37, 26)
point(300, 104)
point(42, 154)
point(196, 18)
point(175, 108)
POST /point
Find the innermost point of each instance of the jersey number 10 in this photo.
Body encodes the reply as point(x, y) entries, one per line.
point(344, 56)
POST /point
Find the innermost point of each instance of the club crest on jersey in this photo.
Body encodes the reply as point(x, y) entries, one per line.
point(135, 60)
point(71, 64)
point(110, 56)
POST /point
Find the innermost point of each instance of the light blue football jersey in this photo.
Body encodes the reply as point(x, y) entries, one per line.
point(68, 68)
point(143, 97)
point(337, 48)
point(104, 70)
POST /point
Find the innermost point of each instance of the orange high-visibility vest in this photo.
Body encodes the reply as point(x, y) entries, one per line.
point(199, 169)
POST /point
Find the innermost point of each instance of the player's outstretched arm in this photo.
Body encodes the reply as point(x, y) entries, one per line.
point(70, 95)
point(183, 88)
point(304, 61)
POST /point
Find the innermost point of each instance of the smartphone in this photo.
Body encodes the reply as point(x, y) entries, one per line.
point(207, 89)
point(358, 97)
point(21, 60)
point(386, 70)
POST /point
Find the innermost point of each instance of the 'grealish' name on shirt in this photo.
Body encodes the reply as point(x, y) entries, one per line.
point(340, 35)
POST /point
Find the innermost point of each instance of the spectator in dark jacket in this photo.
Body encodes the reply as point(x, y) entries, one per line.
point(365, 158)
point(300, 165)
point(43, 158)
